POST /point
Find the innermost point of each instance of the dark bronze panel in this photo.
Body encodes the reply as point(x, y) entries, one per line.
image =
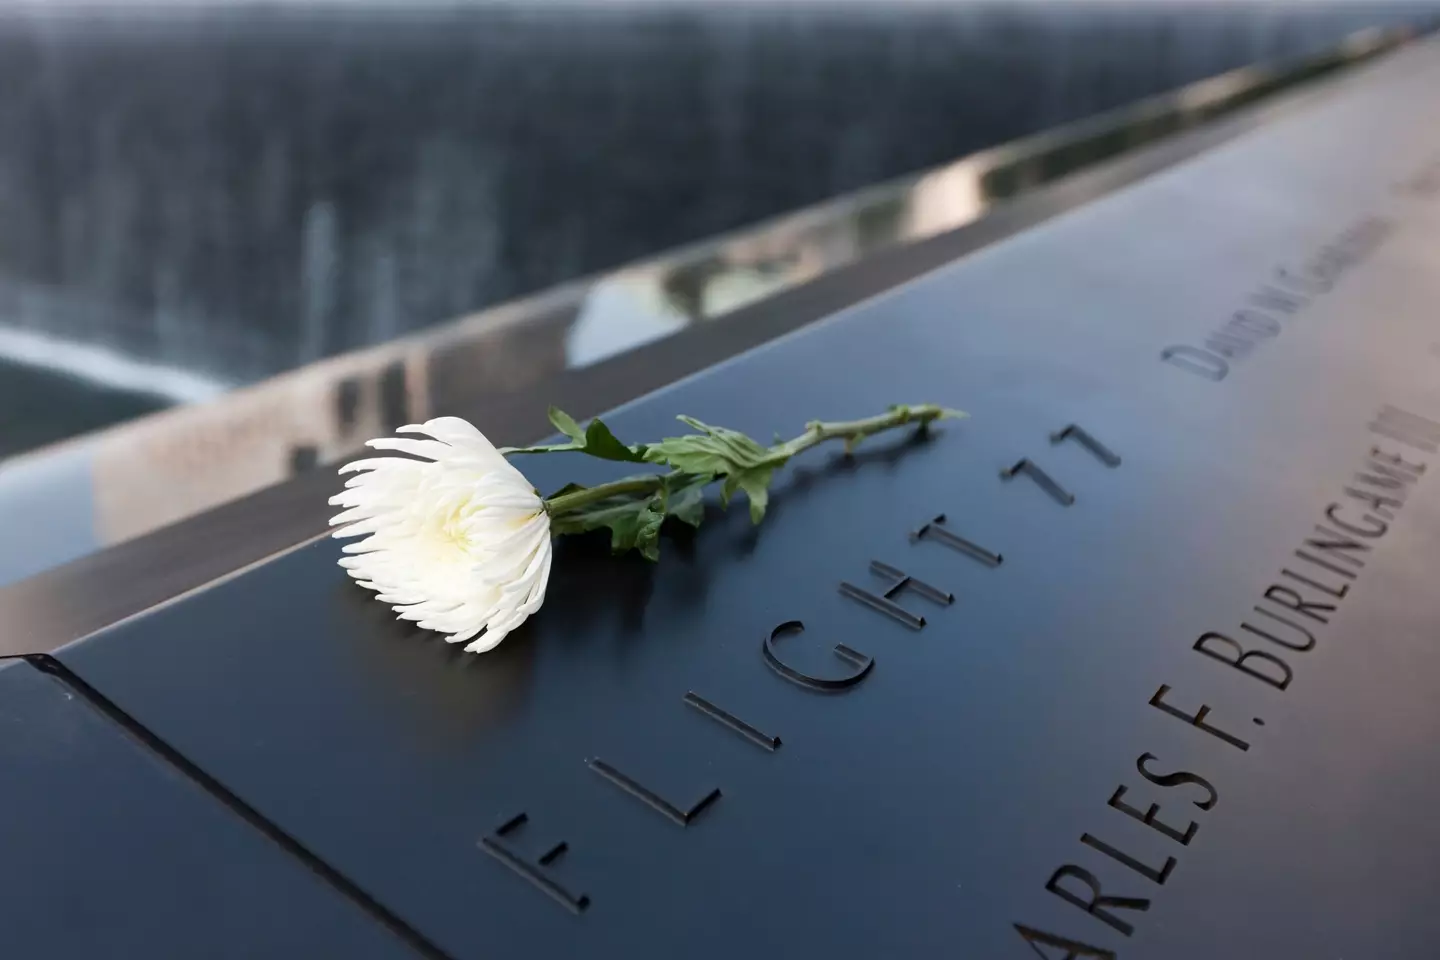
point(108, 851)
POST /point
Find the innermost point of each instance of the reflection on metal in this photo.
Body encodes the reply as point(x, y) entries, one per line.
point(164, 468)
point(174, 464)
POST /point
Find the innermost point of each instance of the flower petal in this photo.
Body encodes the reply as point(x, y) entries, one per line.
point(457, 542)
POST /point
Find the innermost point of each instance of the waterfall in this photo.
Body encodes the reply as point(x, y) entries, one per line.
point(226, 190)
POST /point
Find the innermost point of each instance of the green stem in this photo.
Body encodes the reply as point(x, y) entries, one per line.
point(853, 431)
point(583, 498)
point(816, 432)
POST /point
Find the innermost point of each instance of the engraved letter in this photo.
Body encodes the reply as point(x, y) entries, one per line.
point(1149, 818)
point(1096, 904)
point(1337, 550)
point(1202, 363)
point(855, 658)
point(1229, 346)
point(935, 530)
point(1395, 460)
point(1149, 873)
point(1195, 720)
point(1377, 528)
point(1311, 558)
point(670, 811)
point(1252, 323)
point(1409, 429)
point(1273, 298)
point(1074, 950)
point(899, 582)
point(1203, 645)
point(725, 718)
point(531, 871)
point(1293, 601)
point(1302, 645)
point(1285, 276)
point(1385, 476)
point(1383, 506)
point(1178, 779)
point(1338, 593)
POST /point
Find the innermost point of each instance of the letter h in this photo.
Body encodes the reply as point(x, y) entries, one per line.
point(899, 582)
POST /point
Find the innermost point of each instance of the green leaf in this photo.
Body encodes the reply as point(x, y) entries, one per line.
point(647, 532)
point(713, 450)
point(686, 501)
point(566, 424)
point(756, 484)
point(728, 488)
point(633, 523)
point(595, 440)
point(600, 442)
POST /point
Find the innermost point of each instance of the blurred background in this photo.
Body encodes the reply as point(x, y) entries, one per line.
point(196, 197)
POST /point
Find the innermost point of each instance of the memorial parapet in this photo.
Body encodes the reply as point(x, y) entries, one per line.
point(1139, 661)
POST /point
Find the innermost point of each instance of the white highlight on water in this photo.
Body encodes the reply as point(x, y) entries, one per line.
point(107, 367)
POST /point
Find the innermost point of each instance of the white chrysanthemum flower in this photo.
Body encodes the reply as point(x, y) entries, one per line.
point(458, 542)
